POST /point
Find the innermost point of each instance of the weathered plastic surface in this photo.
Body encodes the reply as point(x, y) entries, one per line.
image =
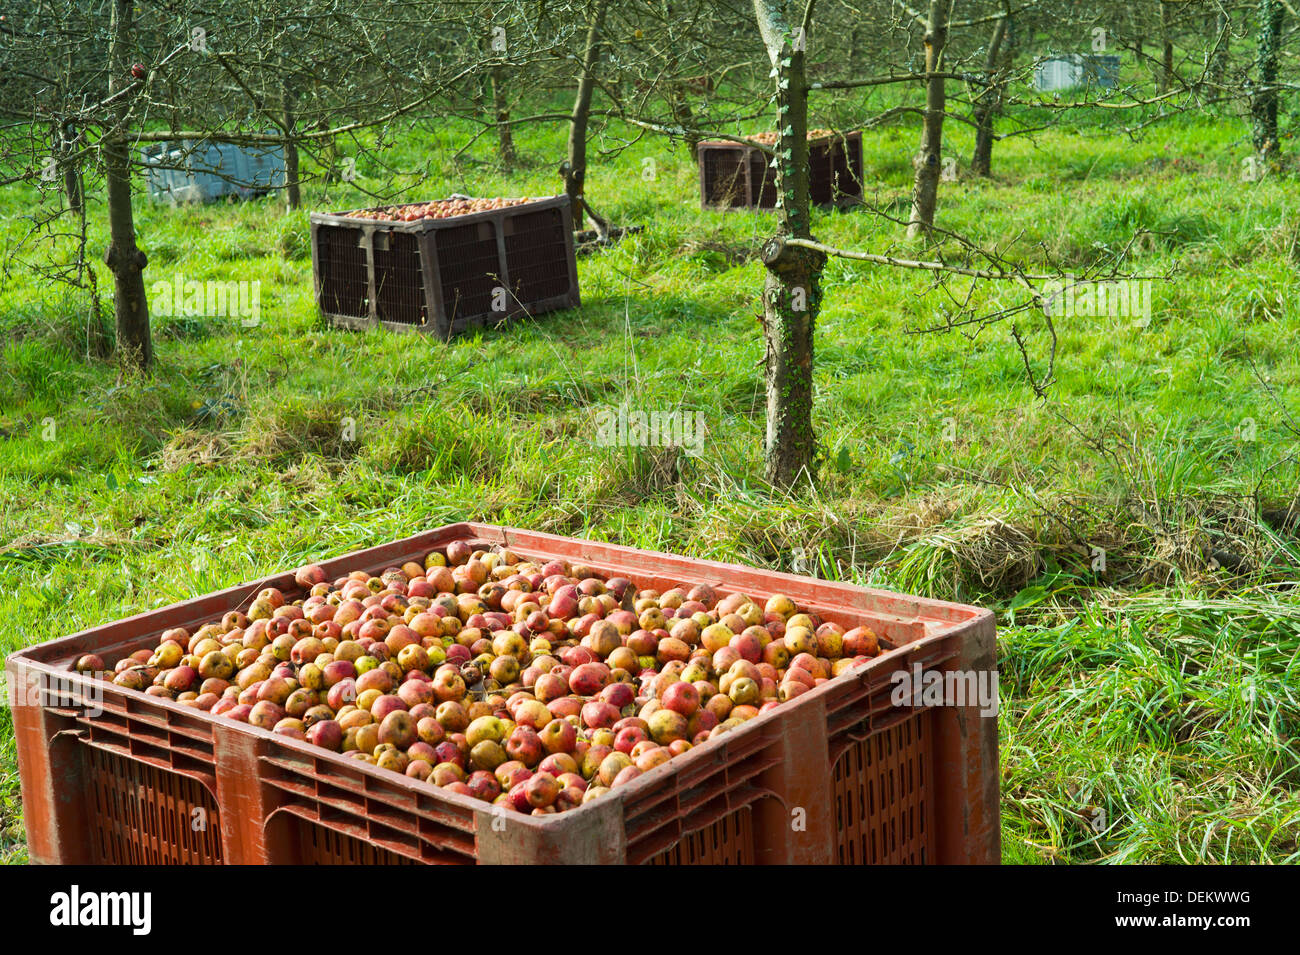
point(200, 171)
point(838, 775)
point(736, 176)
point(445, 276)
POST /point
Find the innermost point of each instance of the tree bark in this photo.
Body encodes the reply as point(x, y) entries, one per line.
point(292, 187)
point(1167, 51)
point(1263, 94)
point(990, 99)
point(73, 189)
point(123, 257)
point(575, 170)
point(792, 287)
point(501, 109)
point(925, 191)
point(682, 116)
point(1218, 65)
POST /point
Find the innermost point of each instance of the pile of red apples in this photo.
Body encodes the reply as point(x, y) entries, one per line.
point(536, 685)
point(437, 209)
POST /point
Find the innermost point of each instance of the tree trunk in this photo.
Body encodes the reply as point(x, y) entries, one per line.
point(292, 187)
point(575, 171)
point(1218, 64)
point(929, 158)
point(792, 287)
point(989, 100)
point(501, 109)
point(73, 189)
point(1263, 98)
point(1166, 51)
point(124, 259)
point(682, 116)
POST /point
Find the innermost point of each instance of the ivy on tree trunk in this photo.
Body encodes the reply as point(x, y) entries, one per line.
point(1263, 99)
point(792, 287)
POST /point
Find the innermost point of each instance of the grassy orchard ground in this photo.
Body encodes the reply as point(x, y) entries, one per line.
point(1164, 692)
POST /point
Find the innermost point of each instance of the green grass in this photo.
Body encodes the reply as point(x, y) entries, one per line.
point(1162, 692)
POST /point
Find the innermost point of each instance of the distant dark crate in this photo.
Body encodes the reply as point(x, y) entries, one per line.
point(736, 176)
point(444, 276)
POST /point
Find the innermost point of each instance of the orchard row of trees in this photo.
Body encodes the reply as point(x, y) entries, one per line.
point(88, 83)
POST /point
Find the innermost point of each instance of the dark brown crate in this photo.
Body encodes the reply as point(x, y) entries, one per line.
point(879, 783)
point(736, 176)
point(445, 276)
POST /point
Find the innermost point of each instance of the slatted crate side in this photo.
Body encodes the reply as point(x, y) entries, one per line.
point(724, 176)
point(696, 790)
point(728, 841)
point(538, 256)
point(882, 784)
point(306, 841)
point(306, 791)
point(399, 279)
point(469, 270)
point(736, 176)
point(835, 169)
point(342, 275)
point(146, 815)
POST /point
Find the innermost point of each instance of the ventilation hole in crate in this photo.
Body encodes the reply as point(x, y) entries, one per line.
point(729, 841)
point(537, 255)
point(342, 271)
point(882, 798)
point(399, 280)
point(468, 266)
point(821, 170)
point(724, 177)
point(143, 815)
point(320, 845)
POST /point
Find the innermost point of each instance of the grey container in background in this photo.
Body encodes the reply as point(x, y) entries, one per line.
point(1074, 70)
point(203, 171)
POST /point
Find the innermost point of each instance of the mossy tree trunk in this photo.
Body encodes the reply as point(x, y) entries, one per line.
point(792, 287)
point(123, 257)
point(501, 110)
point(990, 98)
point(292, 187)
point(1166, 50)
point(575, 171)
point(1263, 94)
point(929, 158)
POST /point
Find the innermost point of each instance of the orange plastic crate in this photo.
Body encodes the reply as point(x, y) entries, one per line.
point(147, 780)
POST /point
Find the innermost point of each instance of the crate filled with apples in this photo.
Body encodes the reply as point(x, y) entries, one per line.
point(536, 685)
point(738, 175)
point(445, 266)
